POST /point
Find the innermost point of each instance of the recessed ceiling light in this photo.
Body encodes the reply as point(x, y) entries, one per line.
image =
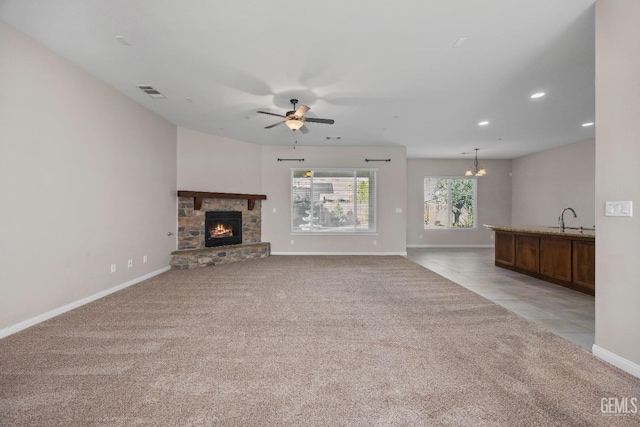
point(537, 95)
point(484, 123)
point(587, 124)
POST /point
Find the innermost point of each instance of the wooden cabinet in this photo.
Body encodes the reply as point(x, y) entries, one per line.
point(563, 259)
point(528, 252)
point(584, 264)
point(555, 258)
point(505, 248)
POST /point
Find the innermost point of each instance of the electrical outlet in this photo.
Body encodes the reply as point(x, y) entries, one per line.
point(113, 268)
point(130, 263)
point(375, 242)
point(421, 236)
point(144, 259)
point(292, 241)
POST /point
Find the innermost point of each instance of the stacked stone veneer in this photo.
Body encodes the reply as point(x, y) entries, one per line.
point(196, 258)
point(192, 252)
point(191, 222)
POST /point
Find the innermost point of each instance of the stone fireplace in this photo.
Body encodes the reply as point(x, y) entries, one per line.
point(191, 221)
point(200, 245)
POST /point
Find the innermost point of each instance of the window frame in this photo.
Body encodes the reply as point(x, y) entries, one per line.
point(474, 179)
point(373, 216)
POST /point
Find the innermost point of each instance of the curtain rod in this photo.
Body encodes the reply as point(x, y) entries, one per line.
point(291, 160)
point(377, 160)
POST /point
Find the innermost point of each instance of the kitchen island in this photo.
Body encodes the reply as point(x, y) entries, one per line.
point(564, 257)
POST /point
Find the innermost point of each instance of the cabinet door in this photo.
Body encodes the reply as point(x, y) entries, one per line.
point(528, 252)
point(505, 248)
point(584, 264)
point(555, 258)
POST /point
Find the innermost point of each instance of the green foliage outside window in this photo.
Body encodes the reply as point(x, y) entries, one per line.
point(449, 203)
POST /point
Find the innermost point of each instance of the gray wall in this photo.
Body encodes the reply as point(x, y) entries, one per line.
point(391, 195)
point(494, 201)
point(547, 182)
point(617, 165)
point(87, 178)
point(217, 164)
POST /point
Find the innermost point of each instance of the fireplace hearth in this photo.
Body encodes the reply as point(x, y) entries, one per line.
point(222, 228)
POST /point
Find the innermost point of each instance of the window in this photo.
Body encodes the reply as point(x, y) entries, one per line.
point(333, 200)
point(449, 203)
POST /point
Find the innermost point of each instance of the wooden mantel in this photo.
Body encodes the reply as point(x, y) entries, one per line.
point(198, 196)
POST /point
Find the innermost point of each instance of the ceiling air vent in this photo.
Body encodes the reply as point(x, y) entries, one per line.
point(151, 91)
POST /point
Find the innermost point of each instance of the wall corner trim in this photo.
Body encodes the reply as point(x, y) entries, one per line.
point(10, 330)
point(617, 361)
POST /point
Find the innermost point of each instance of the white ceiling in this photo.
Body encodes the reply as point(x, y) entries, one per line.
point(386, 71)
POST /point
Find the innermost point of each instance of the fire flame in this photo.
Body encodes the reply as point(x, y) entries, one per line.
point(220, 230)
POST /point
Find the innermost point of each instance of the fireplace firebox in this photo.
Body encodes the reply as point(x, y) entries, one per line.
point(222, 228)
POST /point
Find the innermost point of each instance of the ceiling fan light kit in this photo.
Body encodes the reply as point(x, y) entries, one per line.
point(294, 124)
point(295, 119)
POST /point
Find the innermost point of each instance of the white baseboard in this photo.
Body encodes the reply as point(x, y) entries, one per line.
point(341, 253)
point(57, 311)
point(450, 246)
point(617, 361)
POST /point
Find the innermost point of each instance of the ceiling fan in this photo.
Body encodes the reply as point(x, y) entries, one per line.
point(295, 118)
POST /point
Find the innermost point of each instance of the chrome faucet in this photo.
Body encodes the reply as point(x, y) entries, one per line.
point(561, 217)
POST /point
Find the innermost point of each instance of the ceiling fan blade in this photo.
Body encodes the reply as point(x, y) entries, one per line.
point(301, 111)
point(304, 129)
point(313, 120)
point(273, 125)
point(272, 114)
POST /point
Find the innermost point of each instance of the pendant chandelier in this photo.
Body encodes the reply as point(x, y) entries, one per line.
point(476, 170)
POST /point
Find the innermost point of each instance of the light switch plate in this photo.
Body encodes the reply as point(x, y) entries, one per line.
point(619, 208)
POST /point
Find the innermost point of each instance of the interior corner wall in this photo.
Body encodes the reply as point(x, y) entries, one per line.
point(494, 201)
point(390, 237)
point(217, 164)
point(87, 177)
point(545, 183)
point(617, 163)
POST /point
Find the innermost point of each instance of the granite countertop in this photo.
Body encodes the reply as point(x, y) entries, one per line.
point(541, 229)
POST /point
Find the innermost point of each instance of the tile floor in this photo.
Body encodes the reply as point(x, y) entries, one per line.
point(562, 311)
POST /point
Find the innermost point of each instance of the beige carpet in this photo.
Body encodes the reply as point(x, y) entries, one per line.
point(301, 341)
